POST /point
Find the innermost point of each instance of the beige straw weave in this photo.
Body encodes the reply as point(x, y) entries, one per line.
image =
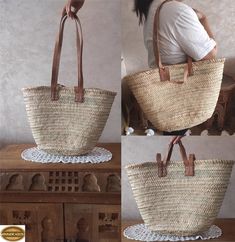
point(64, 126)
point(172, 106)
point(178, 204)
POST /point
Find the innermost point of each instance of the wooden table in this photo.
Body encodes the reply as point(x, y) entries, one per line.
point(61, 202)
point(227, 226)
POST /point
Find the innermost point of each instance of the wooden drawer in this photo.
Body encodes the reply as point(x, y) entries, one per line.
point(92, 223)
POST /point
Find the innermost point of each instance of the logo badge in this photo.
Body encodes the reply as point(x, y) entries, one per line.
point(12, 233)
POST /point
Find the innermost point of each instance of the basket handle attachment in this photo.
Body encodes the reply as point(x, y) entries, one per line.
point(188, 162)
point(79, 90)
point(164, 70)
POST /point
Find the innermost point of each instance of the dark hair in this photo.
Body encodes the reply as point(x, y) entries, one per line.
point(141, 8)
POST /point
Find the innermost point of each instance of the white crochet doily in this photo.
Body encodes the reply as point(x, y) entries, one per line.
point(141, 233)
point(97, 155)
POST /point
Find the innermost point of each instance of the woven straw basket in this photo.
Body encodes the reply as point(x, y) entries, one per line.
point(65, 120)
point(179, 96)
point(171, 202)
point(174, 106)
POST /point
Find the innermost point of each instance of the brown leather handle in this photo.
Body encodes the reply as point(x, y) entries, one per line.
point(188, 162)
point(164, 71)
point(79, 91)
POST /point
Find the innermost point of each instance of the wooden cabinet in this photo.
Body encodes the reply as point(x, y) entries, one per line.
point(61, 202)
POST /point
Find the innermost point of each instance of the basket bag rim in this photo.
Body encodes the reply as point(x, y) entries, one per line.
point(196, 63)
point(70, 90)
point(178, 163)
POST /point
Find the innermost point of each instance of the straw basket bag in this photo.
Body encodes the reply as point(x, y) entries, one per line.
point(178, 96)
point(66, 120)
point(179, 198)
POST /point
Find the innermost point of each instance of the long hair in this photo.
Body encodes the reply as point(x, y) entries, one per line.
point(141, 8)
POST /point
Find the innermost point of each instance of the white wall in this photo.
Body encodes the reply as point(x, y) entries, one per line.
point(142, 149)
point(27, 34)
point(221, 15)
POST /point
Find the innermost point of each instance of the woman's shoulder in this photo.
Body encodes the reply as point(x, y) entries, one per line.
point(174, 9)
point(171, 9)
point(170, 13)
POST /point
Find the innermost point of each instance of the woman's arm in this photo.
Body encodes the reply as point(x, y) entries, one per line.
point(213, 53)
point(205, 23)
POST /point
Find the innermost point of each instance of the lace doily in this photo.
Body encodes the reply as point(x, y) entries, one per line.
point(97, 155)
point(141, 233)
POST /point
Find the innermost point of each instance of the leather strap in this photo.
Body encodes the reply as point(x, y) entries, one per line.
point(163, 70)
point(188, 162)
point(79, 91)
point(189, 168)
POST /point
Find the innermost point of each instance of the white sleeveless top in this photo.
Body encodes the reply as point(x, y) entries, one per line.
point(181, 34)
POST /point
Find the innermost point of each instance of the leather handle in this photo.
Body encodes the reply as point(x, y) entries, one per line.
point(79, 91)
point(164, 71)
point(188, 162)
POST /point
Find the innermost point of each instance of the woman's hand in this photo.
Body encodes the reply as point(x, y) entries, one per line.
point(75, 4)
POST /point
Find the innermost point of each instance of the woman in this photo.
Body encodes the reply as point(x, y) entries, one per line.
point(183, 32)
